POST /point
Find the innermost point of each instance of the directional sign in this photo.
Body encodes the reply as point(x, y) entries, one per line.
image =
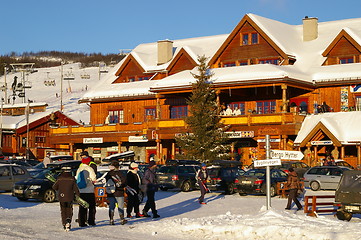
point(283, 154)
point(267, 162)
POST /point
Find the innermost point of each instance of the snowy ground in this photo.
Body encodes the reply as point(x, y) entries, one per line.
point(224, 217)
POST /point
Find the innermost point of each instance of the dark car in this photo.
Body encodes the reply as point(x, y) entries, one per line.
point(254, 181)
point(177, 176)
point(10, 174)
point(224, 178)
point(348, 195)
point(38, 186)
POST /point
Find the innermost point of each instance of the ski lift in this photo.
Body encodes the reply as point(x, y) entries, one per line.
point(69, 75)
point(103, 67)
point(85, 76)
point(50, 81)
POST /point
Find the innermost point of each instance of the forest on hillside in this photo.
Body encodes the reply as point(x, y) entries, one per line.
point(55, 58)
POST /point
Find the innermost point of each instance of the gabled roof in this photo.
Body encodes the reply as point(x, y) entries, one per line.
point(350, 35)
point(333, 125)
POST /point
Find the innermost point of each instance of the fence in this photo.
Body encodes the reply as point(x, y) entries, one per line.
point(311, 208)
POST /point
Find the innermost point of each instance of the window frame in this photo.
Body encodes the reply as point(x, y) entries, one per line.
point(266, 107)
point(179, 111)
point(116, 118)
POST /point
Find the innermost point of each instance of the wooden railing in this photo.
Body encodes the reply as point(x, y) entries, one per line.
point(327, 206)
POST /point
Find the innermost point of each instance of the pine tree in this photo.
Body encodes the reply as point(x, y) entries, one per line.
point(206, 141)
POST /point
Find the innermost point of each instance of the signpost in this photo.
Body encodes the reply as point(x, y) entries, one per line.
point(267, 162)
point(283, 154)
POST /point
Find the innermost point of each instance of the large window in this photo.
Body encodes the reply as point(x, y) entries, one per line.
point(269, 61)
point(150, 113)
point(178, 111)
point(116, 116)
point(266, 107)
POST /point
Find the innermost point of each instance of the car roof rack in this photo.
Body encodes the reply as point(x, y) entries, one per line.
point(182, 162)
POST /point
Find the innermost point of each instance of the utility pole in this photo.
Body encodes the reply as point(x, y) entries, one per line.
point(268, 172)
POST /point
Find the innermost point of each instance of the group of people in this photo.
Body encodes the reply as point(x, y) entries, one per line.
point(118, 185)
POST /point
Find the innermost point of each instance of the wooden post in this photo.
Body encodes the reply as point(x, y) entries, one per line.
point(157, 114)
point(119, 147)
point(173, 151)
point(358, 155)
point(342, 152)
point(71, 149)
point(284, 98)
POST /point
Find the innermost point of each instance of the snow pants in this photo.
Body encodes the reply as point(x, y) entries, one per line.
point(66, 210)
point(133, 203)
point(87, 215)
point(150, 204)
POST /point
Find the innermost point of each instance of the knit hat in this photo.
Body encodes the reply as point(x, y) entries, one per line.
point(84, 153)
point(86, 160)
point(151, 163)
point(133, 165)
point(203, 165)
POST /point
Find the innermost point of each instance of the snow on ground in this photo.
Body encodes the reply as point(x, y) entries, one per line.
point(224, 217)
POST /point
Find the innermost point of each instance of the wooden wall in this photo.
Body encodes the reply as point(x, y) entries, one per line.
point(181, 64)
point(343, 48)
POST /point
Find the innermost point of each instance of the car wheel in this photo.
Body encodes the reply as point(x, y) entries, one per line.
point(273, 191)
point(344, 216)
point(186, 186)
point(49, 196)
point(22, 198)
point(315, 186)
point(230, 189)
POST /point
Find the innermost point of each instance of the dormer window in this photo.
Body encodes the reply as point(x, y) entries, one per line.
point(249, 38)
point(346, 60)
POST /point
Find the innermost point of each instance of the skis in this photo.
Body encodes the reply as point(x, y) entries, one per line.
point(78, 200)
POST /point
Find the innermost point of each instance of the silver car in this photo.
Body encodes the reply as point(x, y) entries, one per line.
point(324, 177)
point(10, 174)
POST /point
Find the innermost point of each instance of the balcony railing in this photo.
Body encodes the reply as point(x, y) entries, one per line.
point(246, 120)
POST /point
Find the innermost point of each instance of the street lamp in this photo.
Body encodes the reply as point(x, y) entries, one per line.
point(27, 128)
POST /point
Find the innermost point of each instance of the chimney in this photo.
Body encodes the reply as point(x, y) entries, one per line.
point(310, 28)
point(165, 51)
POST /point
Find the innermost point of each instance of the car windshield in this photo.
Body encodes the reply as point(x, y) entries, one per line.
point(255, 172)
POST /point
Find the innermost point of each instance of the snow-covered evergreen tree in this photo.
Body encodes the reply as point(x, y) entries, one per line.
point(206, 140)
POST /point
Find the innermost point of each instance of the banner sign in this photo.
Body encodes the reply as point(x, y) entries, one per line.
point(92, 140)
point(240, 134)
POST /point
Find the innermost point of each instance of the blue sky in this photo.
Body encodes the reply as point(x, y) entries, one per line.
point(107, 26)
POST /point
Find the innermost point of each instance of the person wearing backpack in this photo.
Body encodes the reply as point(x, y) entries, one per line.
point(115, 184)
point(86, 177)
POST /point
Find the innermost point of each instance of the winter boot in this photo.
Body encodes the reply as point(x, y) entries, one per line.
point(122, 219)
point(145, 214)
point(111, 217)
point(138, 215)
point(67, 225)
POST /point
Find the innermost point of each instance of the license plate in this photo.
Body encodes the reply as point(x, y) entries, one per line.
point(18, 191)
point(246, 182)
point(352, 208)
point(163, 177)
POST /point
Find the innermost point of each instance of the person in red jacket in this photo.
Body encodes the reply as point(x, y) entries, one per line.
point(66, 188)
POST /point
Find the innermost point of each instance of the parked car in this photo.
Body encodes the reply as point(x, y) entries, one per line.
point(10, 174)
point(38, 186)
point(177, 176)
point(224, 178)
point(254, 181)
point(348, 195)
point(324, 177)
point(340, 162)
point(36, 169)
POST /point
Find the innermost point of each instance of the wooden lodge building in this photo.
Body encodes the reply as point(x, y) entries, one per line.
point(22, 129)
point(269, 74)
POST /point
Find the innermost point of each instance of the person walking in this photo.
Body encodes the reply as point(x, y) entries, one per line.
point(202, 177)
point(47, 160)
point(132, 190)
point(115, 184)
point(293, 184)
point(86, 216)
point(150, 180)
point(66, 188)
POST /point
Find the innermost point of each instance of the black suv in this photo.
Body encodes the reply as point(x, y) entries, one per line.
point(38, 186)
point(177, 176)
point(223, 176)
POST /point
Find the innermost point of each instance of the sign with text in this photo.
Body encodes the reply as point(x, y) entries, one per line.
point(284, 154)
point(240, 134)
point(92, 140)
point(267, 162)
point(142, 138)
point(324, 142)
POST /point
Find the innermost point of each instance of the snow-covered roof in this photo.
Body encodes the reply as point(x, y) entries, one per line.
point(335, 123)
point(289, 38)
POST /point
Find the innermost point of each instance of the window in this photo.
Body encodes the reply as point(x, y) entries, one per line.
point(238, 108)
point(40, 139)
point(18, 171)
point(229, 64)
point(178, 111)
point(142, 78)
point(150, 113)
point(254, 38)
point(116, 116)
point(266, 107)
point(245, 39)
point(243, 63)
point(132, 79)
point(346, 60)
point(269, 61)
point(249, 38)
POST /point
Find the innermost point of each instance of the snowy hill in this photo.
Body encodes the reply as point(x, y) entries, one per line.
point(46, 87)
